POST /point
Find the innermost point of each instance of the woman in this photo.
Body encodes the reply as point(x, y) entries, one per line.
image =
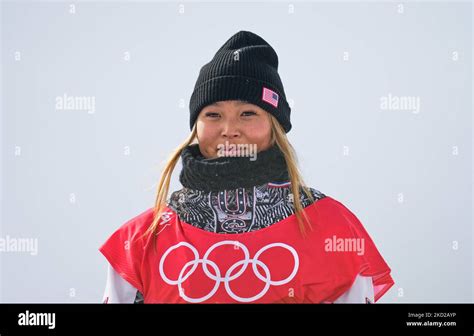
point(235, 232)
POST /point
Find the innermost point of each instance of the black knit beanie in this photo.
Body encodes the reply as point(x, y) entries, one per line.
point(244, 68)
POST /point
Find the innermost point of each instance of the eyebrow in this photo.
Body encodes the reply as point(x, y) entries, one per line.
point(239, 102)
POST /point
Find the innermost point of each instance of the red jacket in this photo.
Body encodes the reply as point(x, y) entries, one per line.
point(273, 264)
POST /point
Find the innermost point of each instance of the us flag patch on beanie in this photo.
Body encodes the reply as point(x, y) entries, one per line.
point(270, 96)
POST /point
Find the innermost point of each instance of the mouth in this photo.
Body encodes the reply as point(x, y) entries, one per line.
point(225, 150)
point(227, 144)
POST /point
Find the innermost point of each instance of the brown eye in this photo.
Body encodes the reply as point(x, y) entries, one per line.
point(249, 113)
point(211, 114)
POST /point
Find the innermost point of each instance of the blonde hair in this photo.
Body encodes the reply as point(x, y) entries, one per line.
point(278, 135)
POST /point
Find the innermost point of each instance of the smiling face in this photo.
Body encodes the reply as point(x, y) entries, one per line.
point(233, 121)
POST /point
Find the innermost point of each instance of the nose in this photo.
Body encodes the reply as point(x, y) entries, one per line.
point(230, 130)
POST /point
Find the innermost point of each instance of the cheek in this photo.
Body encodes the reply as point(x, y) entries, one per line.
point(205, 132)
point(259, 133)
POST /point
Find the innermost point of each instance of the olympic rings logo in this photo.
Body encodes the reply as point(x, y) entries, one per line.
point(183, 275)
